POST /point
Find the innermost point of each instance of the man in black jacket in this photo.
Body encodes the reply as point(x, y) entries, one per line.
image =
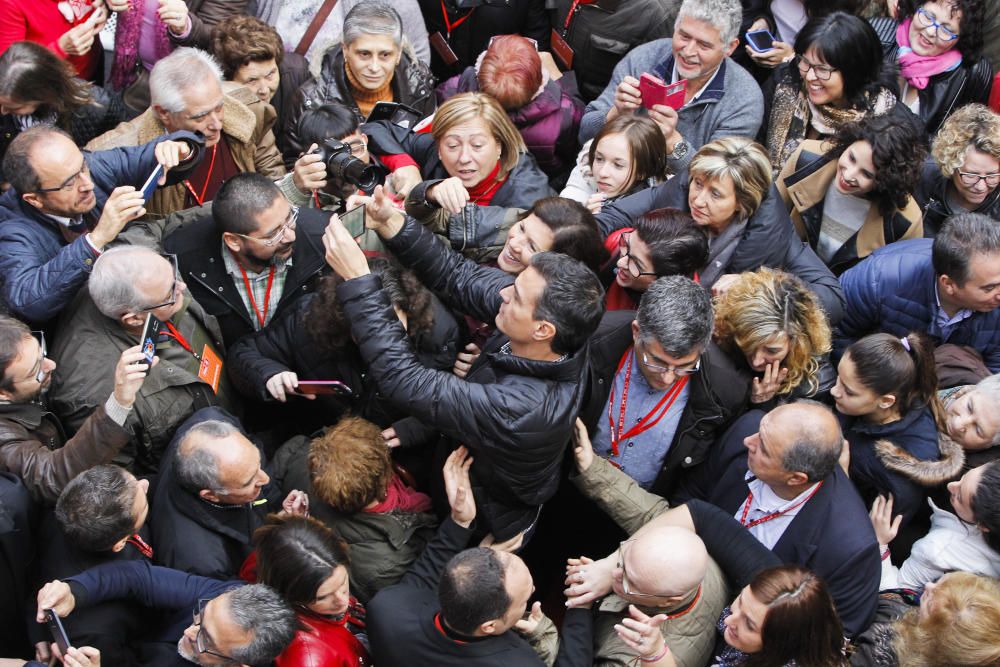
point(516, 407)
point(254, 258)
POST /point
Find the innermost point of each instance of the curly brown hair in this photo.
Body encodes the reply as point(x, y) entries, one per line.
point(330, 330)
point(766, 302)
point(350, 465)
point(973, 125)
point(240, 40)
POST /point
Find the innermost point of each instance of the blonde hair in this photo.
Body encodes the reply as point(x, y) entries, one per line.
point(972, 125)
point(767, 302)
point(470, 106)
point(744, 161)
point(959, 630)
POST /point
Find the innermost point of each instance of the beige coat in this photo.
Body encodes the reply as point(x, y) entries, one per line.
point(247, 123)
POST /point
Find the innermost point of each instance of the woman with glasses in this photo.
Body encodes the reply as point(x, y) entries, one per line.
point(852, 195)
point(965, 170)
point(780, 328)
point(937, 47)
point(834, 79)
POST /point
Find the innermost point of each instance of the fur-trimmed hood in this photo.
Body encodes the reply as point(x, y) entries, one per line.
point(925, 473)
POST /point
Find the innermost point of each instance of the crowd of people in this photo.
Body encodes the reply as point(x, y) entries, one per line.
point(481, 332)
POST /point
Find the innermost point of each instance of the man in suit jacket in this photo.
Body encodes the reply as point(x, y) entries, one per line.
point(778, 474)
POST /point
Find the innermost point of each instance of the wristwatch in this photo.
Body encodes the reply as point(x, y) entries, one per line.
point(681, 149)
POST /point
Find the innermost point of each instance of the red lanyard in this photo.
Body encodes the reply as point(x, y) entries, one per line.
point(172, 332)
point(448, 25)
point(261, 317)
point(772, 515)
point(440, 628)
point(644, 423)
point(141, 545)
point(687, 609)
point(572, 11)
point(208, 178)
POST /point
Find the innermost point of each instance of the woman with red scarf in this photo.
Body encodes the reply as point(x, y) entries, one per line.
point(937, 46)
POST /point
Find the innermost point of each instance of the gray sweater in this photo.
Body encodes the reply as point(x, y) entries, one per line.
point(730, 105)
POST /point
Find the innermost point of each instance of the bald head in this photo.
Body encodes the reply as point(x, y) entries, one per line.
point(812, 438)
point(217, 462)
point(665, 561)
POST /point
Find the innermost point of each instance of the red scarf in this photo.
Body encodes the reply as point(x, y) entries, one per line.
point(482, 193)
point(399, 496)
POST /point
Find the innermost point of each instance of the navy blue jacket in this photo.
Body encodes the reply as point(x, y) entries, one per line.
point(831, 535)
point(892, 290)
point(41, 273)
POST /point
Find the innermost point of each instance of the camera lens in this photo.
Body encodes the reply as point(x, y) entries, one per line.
point(351, 169)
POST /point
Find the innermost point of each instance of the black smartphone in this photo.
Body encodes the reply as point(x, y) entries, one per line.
point(150, 336)
point(149, 187)
point(354, 221)
point(760, 40)
point(58, 631)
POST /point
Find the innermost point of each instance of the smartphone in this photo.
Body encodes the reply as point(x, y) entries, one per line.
point(58, 631)
point(149, 187)
point(655, 91)
point(761, 40)
point(150, 336)
point(354, 221)
point(316, 387)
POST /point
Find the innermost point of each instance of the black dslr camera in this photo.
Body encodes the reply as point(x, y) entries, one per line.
point(344, 167)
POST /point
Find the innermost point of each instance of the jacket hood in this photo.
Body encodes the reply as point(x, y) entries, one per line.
point(925, 473)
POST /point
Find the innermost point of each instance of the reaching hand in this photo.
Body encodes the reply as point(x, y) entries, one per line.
point(380, 215)
point(583, 450)
point(886, 528)
point(55, 595)
point(80, 39)
point(459, 488)
point(174, 13)
point(764, 389)
point(391, 439)
point(343, 253)
point(84, 656)
point(529, 624)
point(296, 504)
point(449, 194)
point(283, 384)
point(465, 359)
point(123, 206)
point(587, 579)
point(641, 633)
point(170, 154)
point(404, 179)
point(130, 371)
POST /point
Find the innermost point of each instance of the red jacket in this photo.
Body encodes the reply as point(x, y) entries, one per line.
point(41, 22)
point(324, 642)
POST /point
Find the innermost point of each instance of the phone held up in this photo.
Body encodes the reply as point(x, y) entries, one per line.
point(761, 40)
point(57, 630)
point(150, 336)
point(654, 91)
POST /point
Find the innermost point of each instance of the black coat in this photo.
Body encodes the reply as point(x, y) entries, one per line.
point(947, 91)
point(720, 392)
point(17, 552)
point(198, 247)
point(515, 414)
point(402, 628)
point(932, 195)
point(768, 239)
point(831, 534)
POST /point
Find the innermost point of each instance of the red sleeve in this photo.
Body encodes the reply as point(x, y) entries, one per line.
point(14, 26)
point(394, 162)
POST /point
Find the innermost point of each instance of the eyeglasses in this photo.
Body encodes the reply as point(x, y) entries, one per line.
point(279, 233)
point(971, 180)
point(926, 20)
point(172, 299)
point(358, 147)
point(679, 371)
point(625, 248)
point(625, 586)
point(200, 642)
point(43, 354)
point(70, 183)
point(823, 72)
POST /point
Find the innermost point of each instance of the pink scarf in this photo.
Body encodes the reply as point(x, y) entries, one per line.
point(401, 497)
point(918, 70)
point(127, 36)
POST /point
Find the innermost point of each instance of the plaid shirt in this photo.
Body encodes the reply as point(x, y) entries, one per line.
point(258, 285)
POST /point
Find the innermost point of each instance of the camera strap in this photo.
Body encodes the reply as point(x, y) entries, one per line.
point(314, 26)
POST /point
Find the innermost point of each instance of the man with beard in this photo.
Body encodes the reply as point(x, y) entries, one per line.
point(254, 258)
point(33, 443)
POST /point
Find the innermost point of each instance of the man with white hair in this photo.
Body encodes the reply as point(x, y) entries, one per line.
point(721, 98)
point(127, 284)
point(187, 93)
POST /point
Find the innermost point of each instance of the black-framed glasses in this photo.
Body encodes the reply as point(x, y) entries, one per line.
point(625, 586)
point(823, 72)
point(70, 183)
point(971, 180)
point(679, 371)
point(200, 642)
point(172, 299)
point(279, 233)
point(43, 354)
point(926, 20)
point(625, 249)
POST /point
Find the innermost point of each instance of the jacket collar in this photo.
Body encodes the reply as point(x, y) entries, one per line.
point(565, 370)
point(238, 122)
point(714, 90)
point(28, 415)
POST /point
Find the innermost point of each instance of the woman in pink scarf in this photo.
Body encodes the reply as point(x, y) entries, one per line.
point(936, 46)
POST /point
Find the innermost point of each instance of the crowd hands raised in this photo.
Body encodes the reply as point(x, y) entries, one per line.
point(473, 333)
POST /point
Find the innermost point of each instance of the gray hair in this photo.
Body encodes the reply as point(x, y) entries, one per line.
point(260, 610)
point(181, 70)
point(817, 445)
point(373, 18)
point(990, 389)
point(676, 312)
point(198, 469)
point(112, 283)
point(724, 15)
